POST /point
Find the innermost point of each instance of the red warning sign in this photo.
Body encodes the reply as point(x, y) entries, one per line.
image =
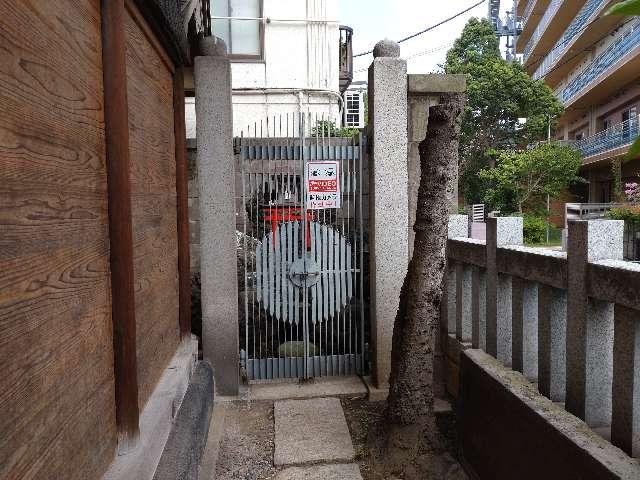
point(323, 185)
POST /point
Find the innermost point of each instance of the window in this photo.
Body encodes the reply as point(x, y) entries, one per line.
point(352, 110)
point(244, 38)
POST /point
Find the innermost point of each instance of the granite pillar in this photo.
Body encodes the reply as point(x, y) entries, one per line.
point(501, 231)
point(479, 309)
point(212, 75)
point(552, 326)
point(625, 421)
point(524, 318)
point(463, 302)
point(589, 341)
point(388, 180)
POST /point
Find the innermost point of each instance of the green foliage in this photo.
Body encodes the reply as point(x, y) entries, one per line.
point(328, 128)
point(534, 230)
point(525, 178)
point(628, 7)
point(499, 93)
point(629, 213)
point(634, 151)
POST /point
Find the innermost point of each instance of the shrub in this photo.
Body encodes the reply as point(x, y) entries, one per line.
point(535, 229)
point(628, 213)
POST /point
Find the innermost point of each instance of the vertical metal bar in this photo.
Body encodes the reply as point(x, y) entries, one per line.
point(362, 149)
point(305, 329)
point(244, 248)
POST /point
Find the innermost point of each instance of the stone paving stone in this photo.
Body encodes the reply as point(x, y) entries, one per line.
point(311, 431)
point(348, 471)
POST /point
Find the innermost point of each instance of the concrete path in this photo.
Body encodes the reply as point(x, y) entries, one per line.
point(313, 431)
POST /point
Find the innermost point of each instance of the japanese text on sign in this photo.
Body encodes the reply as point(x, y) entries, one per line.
point(323, 185)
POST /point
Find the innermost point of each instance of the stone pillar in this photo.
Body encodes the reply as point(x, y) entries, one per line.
point(388, 244)
point(478, 309)
point(524, 315)
point(212, 75)
point(590, 322)
point(625, 421)
point(501, 231)
point(552, 325)
point(463, 302)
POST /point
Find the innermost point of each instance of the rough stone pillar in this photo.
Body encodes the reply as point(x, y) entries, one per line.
point(524, 315)
point(478, 309)
point(212, 75)
point(501, 231)
point(424, 90)
point(552, 326)
point(590, 322)
point(388, 245)
point(625, 421)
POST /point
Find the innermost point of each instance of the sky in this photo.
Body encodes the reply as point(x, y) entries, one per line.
point(373, 20)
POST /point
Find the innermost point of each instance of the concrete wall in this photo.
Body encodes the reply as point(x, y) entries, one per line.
point(507, 430)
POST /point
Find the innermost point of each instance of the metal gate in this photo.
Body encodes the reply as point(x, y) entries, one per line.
point(300, 244)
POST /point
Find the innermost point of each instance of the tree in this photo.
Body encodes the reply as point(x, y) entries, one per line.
point(410, 445)
point(526, 177)
point(501, 93)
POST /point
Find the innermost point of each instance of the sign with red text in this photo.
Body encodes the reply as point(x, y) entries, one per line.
point(323, 185)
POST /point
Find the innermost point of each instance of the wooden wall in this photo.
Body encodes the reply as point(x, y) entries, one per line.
point(56, 387)
point(153, 191)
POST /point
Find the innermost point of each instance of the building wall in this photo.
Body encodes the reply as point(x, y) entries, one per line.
point(57, 390)
point(299, 72)
point(57, 414)
point(153, 203)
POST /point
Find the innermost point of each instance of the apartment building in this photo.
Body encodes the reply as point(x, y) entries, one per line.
point(592, 62)
point(288, 57)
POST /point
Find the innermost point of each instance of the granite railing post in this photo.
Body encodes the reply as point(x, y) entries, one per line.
point(501, 231)
point(463, 302)
point(524, 316)
point(458, 227)
point(625, 418)
point(478, 308)
point(589, 340)
point(212, 75)
point(552, 324)
point(388, 183)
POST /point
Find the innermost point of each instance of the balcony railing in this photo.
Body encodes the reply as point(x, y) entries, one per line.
point(346, 57)
point(527, 11)
point(552, 9)
point(623, 45)
point(616, 136)
point(575, 27)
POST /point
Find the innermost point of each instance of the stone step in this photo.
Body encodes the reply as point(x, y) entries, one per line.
point(345, 471)
point(311, 431)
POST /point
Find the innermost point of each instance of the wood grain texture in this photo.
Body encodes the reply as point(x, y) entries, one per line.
point(153, 199)
point(57, 416)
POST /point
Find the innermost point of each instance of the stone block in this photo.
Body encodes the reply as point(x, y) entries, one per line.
point(436, 83)
point(463, 302)
point(479, 308)
point(349, 471)
point(311, 431)
point(552, 324)
point(458, 226)
point(524, 317)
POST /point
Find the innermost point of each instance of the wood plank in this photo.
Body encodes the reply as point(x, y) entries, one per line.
point(57, 389)
point(120, 228)
point(154, 201)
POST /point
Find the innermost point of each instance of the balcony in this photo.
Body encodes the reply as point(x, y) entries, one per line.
point(553, 23)
point(533, 10)
point(614, 140)
point(614, 67)
point(576, 27)
point(346, 57)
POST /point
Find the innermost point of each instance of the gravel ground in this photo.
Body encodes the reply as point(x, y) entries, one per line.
point(246, 449)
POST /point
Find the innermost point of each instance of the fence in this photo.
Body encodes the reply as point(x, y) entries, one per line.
point(616, 136)
point(569, 322)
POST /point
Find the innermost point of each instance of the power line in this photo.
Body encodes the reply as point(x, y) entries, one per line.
point(431, 27)
point(418, 54)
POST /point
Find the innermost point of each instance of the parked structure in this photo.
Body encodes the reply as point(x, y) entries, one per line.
point(287, 57)
point(593, 64)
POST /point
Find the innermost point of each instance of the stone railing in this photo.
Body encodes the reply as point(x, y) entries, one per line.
point(569, 321)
